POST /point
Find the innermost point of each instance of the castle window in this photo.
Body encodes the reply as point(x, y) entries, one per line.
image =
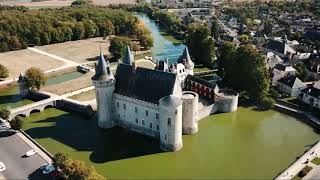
point(158, 127)
point(183, 70)
point(117, 104)
point(119, 116)
point(165, 137)
point(135, 109)
point(124, 106)
point(169, 121)
point(180, 71)
point(106, 94)
point(142, 122)
point(176, 111)
point(157, 115)
point(151, 125)
point(136, 120)
point(147, 112)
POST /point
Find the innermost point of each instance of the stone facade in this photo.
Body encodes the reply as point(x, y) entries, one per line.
point(152, 102)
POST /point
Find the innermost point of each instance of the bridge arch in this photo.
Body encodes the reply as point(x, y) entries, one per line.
point(35, 111)
point(48, 106)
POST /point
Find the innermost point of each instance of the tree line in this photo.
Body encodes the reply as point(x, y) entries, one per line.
point(244, 70)
point(20, 27)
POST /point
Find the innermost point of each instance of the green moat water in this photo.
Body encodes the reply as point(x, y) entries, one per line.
point(10, 98)
point(244, 144)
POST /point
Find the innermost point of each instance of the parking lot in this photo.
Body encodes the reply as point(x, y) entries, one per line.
point(12, 154)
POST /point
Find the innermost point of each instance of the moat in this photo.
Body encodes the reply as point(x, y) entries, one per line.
point(244, 144)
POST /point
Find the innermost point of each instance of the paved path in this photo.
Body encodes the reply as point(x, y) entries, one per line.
point(298, 165)
point(69, 62)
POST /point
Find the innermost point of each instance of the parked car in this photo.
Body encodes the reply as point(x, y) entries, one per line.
point(2, 166)
point(48, 169)
point(31, 152)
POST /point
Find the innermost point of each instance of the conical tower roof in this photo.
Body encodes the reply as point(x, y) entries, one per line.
point(128, 56)
point(185, 55)
point(103, 71)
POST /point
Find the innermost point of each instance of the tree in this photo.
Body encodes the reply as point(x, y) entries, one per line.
point(81, 3)
point(16, 123)
point(74, 169)
point(4, 114)
point(244, 38)
point(4, 73)
point(244, 70)
point(34, 78)
point(215, 29)
point(266, 103)
point(267, 28)
point(117, 48)
point(201, 45)
point(109, 28)
point(146, 41)
point(302, 72)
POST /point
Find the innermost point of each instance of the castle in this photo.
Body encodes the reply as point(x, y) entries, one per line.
point(161, 103)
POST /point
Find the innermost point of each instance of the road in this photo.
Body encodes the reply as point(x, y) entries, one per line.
point(12, 149)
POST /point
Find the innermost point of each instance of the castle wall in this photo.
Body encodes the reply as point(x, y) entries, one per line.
point(189, 112)
point(225, 102)
point(140, 116)
point(170, 128)
point(207, 111)
point(104, 93)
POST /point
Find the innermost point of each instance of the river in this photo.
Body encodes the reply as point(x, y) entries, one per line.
point(165, 45)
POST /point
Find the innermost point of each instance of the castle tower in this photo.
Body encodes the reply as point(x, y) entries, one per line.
point(189, 112)
point(170, 123)
point(104, 83)
point(186, 60)
point(128, 56)
point(22, 85)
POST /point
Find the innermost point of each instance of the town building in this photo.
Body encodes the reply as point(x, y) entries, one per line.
point(157, 102)
point(281, 71)
point(311, 95)
point(291, 85)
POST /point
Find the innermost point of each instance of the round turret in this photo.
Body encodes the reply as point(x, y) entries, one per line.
point(23, 86)
point(189, 112)
point(170, 123)
point(104, 83)
point(226, 99)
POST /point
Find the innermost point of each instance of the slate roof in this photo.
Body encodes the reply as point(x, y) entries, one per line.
point(145, 84)
point(103, 71)
point(200, 81)
point(185, 55)
point(171, 101)
point(162, 66)
point(289, 81)
point(312, 91)
point(128, 56)
point(275, 46)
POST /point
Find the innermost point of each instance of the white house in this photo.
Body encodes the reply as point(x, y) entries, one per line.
point(291, 85)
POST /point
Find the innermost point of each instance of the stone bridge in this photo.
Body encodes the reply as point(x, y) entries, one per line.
point(33, 107)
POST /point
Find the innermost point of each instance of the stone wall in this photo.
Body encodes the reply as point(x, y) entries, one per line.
point(207, 111)
point(137, 115)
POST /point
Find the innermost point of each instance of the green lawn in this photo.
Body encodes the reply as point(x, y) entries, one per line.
point(316, 161)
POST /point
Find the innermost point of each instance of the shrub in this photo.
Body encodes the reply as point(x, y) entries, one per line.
point(4, 114)
point(16, 123)
point(4, 73)
point(266, 103)
point(316, 161)
point(304, 171)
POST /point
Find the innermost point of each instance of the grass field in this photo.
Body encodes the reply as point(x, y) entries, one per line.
point(78, 51)
point(86, 96)
point(19, 61)
point(71, 85)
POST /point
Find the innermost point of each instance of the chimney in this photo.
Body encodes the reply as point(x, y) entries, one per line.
point(134, 67)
